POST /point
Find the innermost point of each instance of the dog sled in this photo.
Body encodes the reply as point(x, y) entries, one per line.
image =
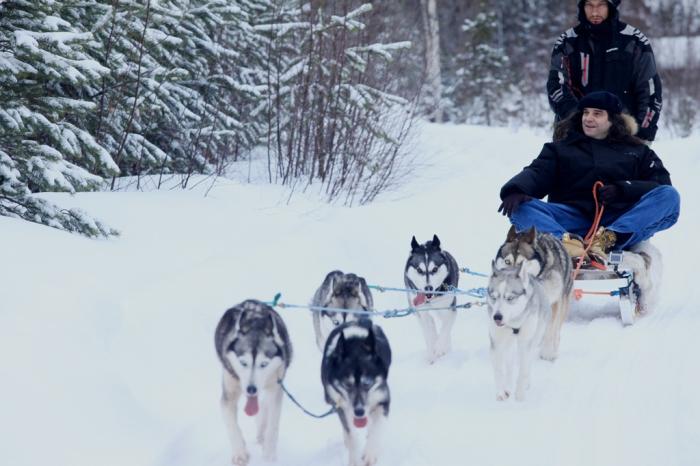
point(612, 285)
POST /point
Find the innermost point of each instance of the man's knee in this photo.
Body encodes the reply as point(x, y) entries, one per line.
point(669, 196)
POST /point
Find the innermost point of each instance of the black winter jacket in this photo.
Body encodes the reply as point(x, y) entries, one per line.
point(621, 62)
point(566, 172)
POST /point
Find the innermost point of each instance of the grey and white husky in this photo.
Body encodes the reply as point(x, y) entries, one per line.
point(519, 314)
point(354, 373)
point(429, 269)
point(552, 266)
point(341, 291)
point(255, 351)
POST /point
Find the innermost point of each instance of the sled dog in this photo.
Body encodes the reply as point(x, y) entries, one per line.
point(553, 269)
point(429, 269)
point(645, 262)
point(254, 349)
point(342, 291)
point(519, 314)
point(354, 373)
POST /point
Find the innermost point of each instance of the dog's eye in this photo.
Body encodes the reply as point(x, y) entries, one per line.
point(509, 262)
point(510, 299)
point(243, 363)
point(435, 269)
point(336, 322)
point(264, 364)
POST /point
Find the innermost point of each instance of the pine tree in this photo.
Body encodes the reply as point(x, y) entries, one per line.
point(483, 77)
point(45, 78)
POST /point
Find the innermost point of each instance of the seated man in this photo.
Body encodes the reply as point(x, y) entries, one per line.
point(595, 144)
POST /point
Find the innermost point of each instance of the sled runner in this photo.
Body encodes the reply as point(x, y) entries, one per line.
point(611, 284)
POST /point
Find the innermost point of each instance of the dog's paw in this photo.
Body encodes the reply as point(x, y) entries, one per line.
point(370, 458)
point(269, 455)
point(502, 395)
point(441, 348)
point(520, 391)
point(240, 458)
point(549, 354)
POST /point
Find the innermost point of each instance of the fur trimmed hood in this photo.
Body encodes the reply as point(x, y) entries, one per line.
point(630, 123)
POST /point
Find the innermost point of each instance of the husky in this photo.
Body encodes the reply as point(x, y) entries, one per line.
point(553, 269)
point(519, 314)
point(354, 373)
point(342, 291)
point(645, 262)
point(255, 351)
point(429, 269)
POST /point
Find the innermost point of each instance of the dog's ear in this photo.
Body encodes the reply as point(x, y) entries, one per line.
point(512, 234)
point(329, 286)
point(275, 332)
point(340, 346)
point(370, 344)
point(239, 320)
point(381, 348)
point(436, 242)
point(530, 235)
point(414, 244)
point(528, 270)
point(365, 295)
point(522, 273)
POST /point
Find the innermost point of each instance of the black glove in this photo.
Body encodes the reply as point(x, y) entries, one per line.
point(608, 193)
point(511, 203)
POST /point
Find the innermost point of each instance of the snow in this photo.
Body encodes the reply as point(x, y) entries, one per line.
point(107, 345)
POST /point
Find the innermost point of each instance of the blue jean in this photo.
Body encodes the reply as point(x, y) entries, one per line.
point(657, 210)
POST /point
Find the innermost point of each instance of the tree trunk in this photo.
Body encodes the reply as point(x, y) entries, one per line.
point(433, 75)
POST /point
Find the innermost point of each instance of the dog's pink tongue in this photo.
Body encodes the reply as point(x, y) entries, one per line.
point(251, 406)
point(360, 422)
point(420, 299)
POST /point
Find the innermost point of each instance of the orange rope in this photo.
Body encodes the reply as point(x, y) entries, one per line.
point(578, 293)
point(588, 240)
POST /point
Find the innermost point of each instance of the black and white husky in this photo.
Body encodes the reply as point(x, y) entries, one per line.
point(519, 314)
point(341, 291)
point(354, 373)
point(429, 269)
point(254, 348)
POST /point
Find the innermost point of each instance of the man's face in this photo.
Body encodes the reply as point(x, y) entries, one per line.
point(596, 123)
point(596, 11)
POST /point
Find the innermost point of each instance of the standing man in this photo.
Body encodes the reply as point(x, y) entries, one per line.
point(604, 54)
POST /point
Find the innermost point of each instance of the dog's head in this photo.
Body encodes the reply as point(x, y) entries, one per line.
point(509, 291)
point(256, 352)
point(357, 359)
point(518, 248)
point(345, 291)
point(427, 266)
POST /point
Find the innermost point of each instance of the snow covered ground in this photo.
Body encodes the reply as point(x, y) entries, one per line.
point(107, 353)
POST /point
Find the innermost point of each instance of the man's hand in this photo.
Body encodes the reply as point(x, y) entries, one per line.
point(608, 193)
point(511, 203)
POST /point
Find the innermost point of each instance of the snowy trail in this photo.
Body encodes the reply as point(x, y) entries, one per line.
point(108, 345)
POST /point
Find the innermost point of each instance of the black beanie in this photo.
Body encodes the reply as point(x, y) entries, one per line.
point(603, 100)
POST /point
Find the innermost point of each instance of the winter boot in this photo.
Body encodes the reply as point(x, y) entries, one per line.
point(573, 244)
point(601, 244)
